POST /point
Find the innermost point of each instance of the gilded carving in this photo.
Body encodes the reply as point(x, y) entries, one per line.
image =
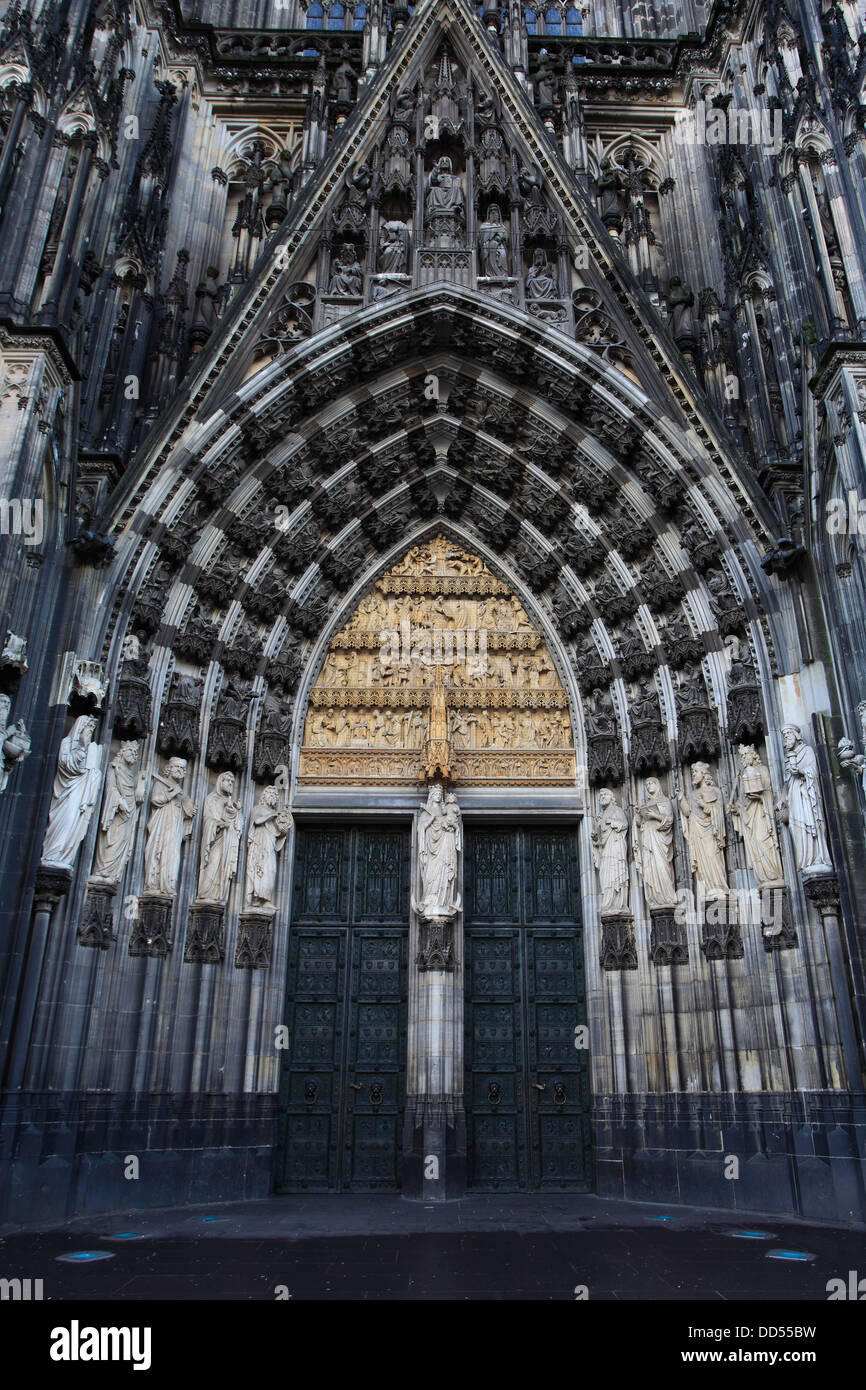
point(502, 713)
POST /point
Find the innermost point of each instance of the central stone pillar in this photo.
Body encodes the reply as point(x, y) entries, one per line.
point(434, 1134)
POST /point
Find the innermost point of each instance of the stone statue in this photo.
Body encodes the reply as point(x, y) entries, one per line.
point(704, 828)
point(493, 244)
point(76, 784)
point(343, 80)
point(609, 837)
point(680, 299)
point(803, 807)
point(220, 839)
point(117, 826)
point(653, 846)
point(751, 807)
point(14, 654)
point(267, 836)
point(541, 282)
point(15, 741)
point(439, 843)
point(347, 279)
point(393, 248)
point(443, 190)
point(169, 825)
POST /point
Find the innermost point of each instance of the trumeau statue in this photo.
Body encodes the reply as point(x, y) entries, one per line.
point(169, 825)
point(653, 846)
point(76, 785)
point(609, 839)
point(269, 826)
point(119, 806)
point(440, 840)
point(220, 840)
point(803, 806)
point(753, 813)
point(704, 829)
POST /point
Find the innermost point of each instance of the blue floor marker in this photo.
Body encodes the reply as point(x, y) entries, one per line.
point(749, 1235)
point(123, 1235)
point(789, 1255)
point(80, 1257)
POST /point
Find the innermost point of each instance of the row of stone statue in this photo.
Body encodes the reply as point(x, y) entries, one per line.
point(702, 812)
point(383, 728)
point(346, 668)
point(379, 612)
point(445, 216)
point(171, 816)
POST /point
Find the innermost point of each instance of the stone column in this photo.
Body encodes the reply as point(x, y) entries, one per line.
point(52, 884)
point(434, 1131)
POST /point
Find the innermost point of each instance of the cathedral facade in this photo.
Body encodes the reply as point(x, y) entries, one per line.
point(433, 652)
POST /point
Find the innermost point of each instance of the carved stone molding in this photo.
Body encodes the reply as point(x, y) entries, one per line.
point(96, 927)
point(151, 931)
point(436, 943)
point(618, 947)
point(823, 891)
point(721, 938)
point(668, 943)
point(204, 935)
point(51, 885)
point(255, 937)
point(777, 929)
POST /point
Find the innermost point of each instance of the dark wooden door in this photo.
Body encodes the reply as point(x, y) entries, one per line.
point(343, 1080)
point(527, 1089)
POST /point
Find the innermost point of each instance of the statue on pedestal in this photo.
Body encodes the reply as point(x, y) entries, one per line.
point(440, 840)
point(76, 784)
point(803, 807)
point(609, 838)
point(119, 808)
point(169, 825)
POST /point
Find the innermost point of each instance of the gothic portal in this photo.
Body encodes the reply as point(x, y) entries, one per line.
point(434, 655)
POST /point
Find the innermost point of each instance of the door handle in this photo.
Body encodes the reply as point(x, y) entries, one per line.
point(356, 1085)
point(539, 1087)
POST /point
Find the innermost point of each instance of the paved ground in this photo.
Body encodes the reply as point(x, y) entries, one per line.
point(381, 1247)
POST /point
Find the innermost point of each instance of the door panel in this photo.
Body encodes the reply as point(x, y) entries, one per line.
point(559, 1114)
point(527, 1091)
point(375, 1066)
point(495, 1133)
point(343, 1083)
point(311, 1081)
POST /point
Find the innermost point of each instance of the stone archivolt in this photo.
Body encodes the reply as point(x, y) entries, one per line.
point(507, 710)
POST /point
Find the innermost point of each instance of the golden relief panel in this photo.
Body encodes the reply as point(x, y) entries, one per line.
point(438, 672)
